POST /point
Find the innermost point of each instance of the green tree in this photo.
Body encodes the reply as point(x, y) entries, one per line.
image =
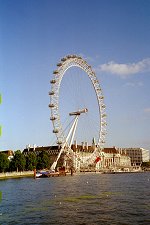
point(12, 165)
point(4, 162)
point(31, 161)
point(19, 161)
point(43, 161)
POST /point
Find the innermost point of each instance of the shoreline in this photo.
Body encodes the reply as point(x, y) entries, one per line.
point(12, 175)
point(22, 174)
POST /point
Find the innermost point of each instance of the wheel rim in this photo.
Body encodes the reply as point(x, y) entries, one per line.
point(65, 64)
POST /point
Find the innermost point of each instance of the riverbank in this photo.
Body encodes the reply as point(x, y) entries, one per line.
point(31, 173)
point(16, 174)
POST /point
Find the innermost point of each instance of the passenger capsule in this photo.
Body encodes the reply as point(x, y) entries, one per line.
point(53, 81)
point(55, 72)
point(52, 118)
point(51, 105)
point(68, 56)
point(55, 131)
point(98, 89)
point(59, 64)
point(63, 59)
point(103, 106)
point(51, 93)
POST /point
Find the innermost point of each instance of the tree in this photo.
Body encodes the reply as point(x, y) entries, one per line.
point(12, 165)
point(43, 161)
point(19, 161)
point(31, 161)
point(4, 162)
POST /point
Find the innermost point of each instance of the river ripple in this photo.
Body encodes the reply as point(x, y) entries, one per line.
point(111, 199)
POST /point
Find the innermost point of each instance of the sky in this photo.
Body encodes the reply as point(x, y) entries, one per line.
point(111, 35)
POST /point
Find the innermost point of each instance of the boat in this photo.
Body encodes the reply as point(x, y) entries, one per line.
point(49, 173)
point(38, 174)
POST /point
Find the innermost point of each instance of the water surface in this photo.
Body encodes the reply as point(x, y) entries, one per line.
point(90, 198)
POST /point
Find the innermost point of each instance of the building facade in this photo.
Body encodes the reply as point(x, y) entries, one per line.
point(110, 159)
point(9, 153)
point(137, 155)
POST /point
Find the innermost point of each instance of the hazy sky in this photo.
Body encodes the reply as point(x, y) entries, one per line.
point(113, 36)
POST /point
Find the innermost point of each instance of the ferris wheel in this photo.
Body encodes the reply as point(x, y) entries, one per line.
point(62, 67)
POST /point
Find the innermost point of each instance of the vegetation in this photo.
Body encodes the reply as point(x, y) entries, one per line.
point(4, 162)
point(31, 161)
point(43, 161)
point(20, 162)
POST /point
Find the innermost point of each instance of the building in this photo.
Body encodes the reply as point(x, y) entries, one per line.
point(115, 159)
point(9, 153)
point(52, 151)
point(137, 155)
point(110, 159)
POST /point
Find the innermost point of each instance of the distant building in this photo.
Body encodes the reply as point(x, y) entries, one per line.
point(137, 155)
point(9, 153)
point(116, 159)
point(111, 157)
point(51, 150)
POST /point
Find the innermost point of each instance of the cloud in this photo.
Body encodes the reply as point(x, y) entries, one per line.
point(147, 110)
point(134, 84)
point(124, 70)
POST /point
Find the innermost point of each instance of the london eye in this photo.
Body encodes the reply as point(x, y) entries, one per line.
point(65, 71)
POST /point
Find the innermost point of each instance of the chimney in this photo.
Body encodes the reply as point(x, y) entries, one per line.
point(82, 145)
point(86, 144)
point(75, 143)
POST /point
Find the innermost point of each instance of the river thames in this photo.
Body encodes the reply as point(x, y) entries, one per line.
point(112, 199)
